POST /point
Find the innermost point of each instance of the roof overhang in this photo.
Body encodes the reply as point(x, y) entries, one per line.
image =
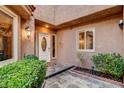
point(100, 15)
point(25, 11)
point(43, 24)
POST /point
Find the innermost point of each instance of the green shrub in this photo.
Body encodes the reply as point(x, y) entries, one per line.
point(31, 57)
point(109, 63)
point(23, 74)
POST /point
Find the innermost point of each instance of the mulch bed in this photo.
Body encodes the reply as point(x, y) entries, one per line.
point(97, 73)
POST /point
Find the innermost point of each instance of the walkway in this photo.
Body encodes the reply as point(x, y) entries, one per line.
point(73, 80)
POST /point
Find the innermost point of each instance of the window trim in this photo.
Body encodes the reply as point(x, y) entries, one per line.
point(55, 46)
point(15, 35)
point(77, 40)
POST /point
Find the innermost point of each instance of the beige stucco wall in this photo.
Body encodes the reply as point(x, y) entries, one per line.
point(108, 38)
point(57, 14)
point(70, 12)
point(45, 13)
point(27, 46)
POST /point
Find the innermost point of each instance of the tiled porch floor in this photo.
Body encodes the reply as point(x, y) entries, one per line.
point(55, 68)
point(72, 80)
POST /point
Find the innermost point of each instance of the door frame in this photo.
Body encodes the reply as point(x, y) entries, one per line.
point(41, 33)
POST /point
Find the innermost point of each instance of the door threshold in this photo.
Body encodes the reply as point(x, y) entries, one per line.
point(58, 72)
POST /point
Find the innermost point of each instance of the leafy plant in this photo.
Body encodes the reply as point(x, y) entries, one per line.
point(109, 63)
point(31, 57)
point(23, 74)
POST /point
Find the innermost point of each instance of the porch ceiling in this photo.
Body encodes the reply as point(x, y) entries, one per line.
point(85, 19)
point(25, 11)
point(42, 23)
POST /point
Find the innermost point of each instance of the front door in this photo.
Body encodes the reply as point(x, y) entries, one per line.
point(44, 47)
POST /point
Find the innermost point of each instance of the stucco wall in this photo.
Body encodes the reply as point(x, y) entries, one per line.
point(57, 14)
point(45, 13)
point(70, 12)
point(28, 43)
point(108, 38)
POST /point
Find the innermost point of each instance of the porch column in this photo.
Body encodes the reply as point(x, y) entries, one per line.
point(28, 42)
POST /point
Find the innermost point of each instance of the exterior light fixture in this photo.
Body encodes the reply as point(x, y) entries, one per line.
point(121, 24)
point(47, 26)
point(28, 31)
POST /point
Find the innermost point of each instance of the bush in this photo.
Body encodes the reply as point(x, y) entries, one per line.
point(109, 63)
point(31, 57)
point(23, 74)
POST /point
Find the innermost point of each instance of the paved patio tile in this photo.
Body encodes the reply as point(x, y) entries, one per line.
point(72, 86)
point(54, 86)
point(72, 80)
point(55, 68)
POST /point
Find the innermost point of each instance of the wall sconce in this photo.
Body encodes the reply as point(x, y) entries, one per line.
point(47, 26)
point(121, 24)
point(28, 31)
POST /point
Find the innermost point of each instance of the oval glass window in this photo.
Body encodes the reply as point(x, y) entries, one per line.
point(43, 44)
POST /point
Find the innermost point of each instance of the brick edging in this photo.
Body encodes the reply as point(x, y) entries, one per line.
point(43, 85)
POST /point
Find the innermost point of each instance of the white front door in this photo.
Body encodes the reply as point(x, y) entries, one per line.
point(44, 47)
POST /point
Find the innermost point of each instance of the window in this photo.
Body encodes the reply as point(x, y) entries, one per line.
point(86, 40)
point(44, 44)
point(53, 46)
point(8, 35)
